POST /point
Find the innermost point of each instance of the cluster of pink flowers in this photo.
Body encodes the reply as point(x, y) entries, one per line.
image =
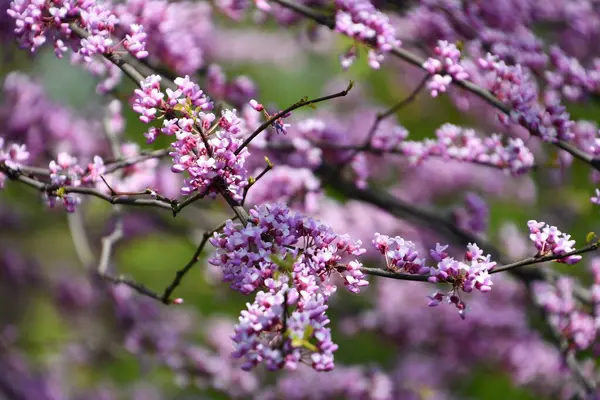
point(290, 259)
point(400, 255)
point(472, 273)
point(65, 171)
point(209, 153)
point(516, 88)
point(38, 20)
point(135, 41)
point(362, 21)
point(445, 68)
point(188, 24)
point(456, 143)
point(570, 79)
point(187, 98)
point(565, 314)
point(210, 169)
point(13, 157)
point(596, 199)
point(550, 241)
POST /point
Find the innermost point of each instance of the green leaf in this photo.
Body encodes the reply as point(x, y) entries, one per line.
point(590, 237)
point(286, 264)
point(309, 345)
point(308, 331)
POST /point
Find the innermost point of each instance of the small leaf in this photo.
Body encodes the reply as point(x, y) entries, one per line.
point(251, 180)
point(308, 331)
point(309, 345)
point(590, 237)
point(269, 163)
point(60, 192)
point(286, 264)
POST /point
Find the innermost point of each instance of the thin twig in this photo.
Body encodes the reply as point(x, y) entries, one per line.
point(108, 242)
point(536, 259)
point(299, 104)
point(166, 296)
point(393, 275)
point(253, 181)
point(80, 239)
point(138, 287)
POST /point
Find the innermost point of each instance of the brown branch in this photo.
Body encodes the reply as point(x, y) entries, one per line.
point(166, 296)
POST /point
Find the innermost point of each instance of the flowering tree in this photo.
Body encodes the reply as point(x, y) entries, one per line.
point(452, 286)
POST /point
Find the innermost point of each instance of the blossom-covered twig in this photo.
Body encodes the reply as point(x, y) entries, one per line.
point(482, 93)
point(501, 268)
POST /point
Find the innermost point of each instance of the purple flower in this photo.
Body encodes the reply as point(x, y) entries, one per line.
point(596, 199)
point(135, 41)
point(148, 98)
point(445, 69)
point(550, 241)
point(13, 157)
point(360, 20)
point(566, 315)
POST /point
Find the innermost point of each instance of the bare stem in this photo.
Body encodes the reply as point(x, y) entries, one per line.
point(166, 296)
point(299, 104)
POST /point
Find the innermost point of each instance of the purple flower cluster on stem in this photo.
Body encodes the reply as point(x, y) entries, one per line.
point(550, 241)
point(210, 154)
point(445, 68)
point(514, 86)
point(13, 157)
point(290, 260)
point(65, 171)
point(36, 21)
point(360, 20)
point(472, 273)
